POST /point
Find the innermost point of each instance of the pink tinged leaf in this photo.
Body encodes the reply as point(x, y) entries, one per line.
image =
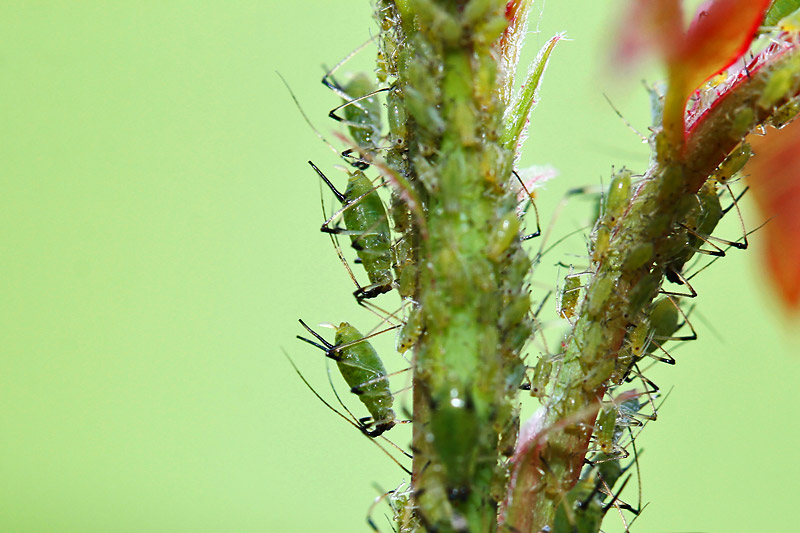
point(774, 178)
point(533, 178)
point(719, 34)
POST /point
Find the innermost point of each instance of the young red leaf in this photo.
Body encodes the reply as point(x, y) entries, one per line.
point(719, 34)
point(774, 179)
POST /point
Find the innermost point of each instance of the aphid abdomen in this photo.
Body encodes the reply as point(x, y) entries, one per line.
point(363, 116)
point(368, 226)
point(363, 370)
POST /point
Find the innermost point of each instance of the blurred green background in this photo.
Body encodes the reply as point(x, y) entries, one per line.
point(159, 239)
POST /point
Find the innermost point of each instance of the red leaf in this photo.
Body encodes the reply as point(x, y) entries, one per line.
point(719, 34)
point(774, 179)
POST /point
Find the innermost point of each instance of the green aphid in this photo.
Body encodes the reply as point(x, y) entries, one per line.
point(659, 327)
point(604, 432)
point(367, 224)
point(601, 240)
point(732, 164)
point(700, 222)
point(665, 322)
point(405, 266)
point(785, 114)
point(582, 510)
point(617, 199)
point(454, 425)
point(600, 372)
point(600, 293)
point(743, 121)
point(642, 293)
point(639, 339)
point(639, 256)
point(664, 319)
point(503, 235)
point(363, 370)
point(568, 297)
point(397, 119)
point(541, 376)
point(411, 330)
point(778, 86)
point(361, 112)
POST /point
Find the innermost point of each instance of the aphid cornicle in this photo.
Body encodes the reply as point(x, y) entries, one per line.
point(363, 370)
point(367, 224)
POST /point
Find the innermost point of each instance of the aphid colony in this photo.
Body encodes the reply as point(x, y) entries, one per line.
point(384, 258)
point(383, 245)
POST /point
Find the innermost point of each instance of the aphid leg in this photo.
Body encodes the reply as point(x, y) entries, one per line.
point(330, 82)
point(716, 258)
point(681, 281)
point(352, 101)
point(735, 204)
point(378, 499)
point(349, 421)
point(530, 199)
point(717, 251)
point(686, 321)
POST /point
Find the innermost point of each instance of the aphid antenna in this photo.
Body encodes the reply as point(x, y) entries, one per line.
point(305, 117)
point(331, 186)
point(556, 213)
point(537, 258)
point(330, 349)
point(349, 421)
point(323, 345)
point(625, 121)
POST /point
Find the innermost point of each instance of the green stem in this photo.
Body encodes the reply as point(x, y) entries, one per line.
point(654, 215)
